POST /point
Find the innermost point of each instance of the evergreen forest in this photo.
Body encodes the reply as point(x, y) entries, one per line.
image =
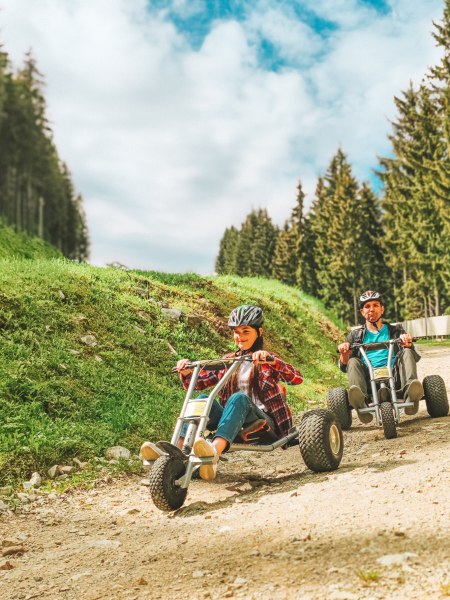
point(352, 239)
point(37, 195)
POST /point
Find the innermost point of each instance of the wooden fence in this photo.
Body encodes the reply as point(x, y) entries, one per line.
point(429, 327)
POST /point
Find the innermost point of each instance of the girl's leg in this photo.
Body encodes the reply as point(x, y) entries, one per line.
point(234, 415)
point(238, 410)
point(213, 421)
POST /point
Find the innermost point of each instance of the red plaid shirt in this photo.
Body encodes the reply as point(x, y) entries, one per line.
point(273, 394)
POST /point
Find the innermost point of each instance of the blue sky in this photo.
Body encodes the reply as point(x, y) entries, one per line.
point(177, 117)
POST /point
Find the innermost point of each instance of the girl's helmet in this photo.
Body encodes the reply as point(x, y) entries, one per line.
point(246, 315)
point(370, 295)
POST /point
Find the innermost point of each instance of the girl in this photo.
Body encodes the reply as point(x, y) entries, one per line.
point(252, 394)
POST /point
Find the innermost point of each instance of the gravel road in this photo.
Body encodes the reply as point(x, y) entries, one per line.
point(378, 527)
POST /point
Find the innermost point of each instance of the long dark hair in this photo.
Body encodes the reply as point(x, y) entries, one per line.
point(258, 344)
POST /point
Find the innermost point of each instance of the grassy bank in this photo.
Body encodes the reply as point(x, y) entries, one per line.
point(86, 353)
point(20, 245)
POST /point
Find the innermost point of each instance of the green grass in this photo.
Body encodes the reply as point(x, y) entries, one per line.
point(60, 398)
point(13, 244)
point(368, 576)
point(444, 343)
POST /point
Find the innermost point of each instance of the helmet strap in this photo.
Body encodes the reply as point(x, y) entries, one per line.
point(375, 323)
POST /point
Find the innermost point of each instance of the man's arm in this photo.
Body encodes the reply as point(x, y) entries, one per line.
point(345, 353)
point(406, 338)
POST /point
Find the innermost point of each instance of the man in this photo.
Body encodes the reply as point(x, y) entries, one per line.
point(371, 307)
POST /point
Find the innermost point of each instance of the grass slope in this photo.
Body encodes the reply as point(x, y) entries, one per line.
point(60, 397)
point(23, 246)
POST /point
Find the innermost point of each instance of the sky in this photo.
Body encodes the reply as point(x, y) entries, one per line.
point(178, 117)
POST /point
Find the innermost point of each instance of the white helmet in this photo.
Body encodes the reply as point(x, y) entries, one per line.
point(246, 315)
point(370, 295)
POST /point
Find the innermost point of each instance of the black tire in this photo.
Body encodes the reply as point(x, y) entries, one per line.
point(435, 396)
point(165, 494)
point(337, 402)
point(321, 441)
point(388, 420)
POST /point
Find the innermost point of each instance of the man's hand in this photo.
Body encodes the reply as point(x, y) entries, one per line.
point(406, 340)
point(181, 366)
point(261, 356)
point(344, 351)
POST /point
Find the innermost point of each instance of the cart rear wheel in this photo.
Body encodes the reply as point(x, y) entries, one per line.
point(164, 492)
point(338, 404)
point(388, 420)
point(321, 441)
point(435, 396)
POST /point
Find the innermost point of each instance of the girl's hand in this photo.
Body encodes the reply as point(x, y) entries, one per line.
point(262, 356)
point(181, 366)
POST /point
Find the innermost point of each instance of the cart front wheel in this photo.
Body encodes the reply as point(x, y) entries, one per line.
point(321, 441)
point(388, 420)
point(165, 493)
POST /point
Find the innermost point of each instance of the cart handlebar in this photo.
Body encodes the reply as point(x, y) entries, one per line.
point(217, 364)
point(377, 345)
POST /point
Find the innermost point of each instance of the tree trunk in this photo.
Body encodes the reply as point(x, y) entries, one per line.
point(405, 279)
point(437, 307)
point(41, 218)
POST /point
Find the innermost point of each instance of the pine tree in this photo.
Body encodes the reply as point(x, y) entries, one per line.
point(342, 254)
point(36, 191)
point(283, 256)
point(287, 259)
point(226, 259)
point(413, 223)
point(439, 78)
point(307, 276)
point(256, 243)
point(263, 246)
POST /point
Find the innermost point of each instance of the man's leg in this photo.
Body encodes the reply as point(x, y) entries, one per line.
point(406, 367)
point(357, 378)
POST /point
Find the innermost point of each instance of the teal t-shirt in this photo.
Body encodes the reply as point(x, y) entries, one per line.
point(378, 358)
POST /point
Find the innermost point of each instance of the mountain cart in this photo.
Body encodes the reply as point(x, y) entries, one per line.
point(319, 437)
point(386, 402)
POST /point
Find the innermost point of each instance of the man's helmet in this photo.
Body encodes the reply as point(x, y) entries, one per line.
point(370, 295)
point(246, 315)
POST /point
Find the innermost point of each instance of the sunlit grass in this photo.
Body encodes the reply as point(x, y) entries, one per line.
point(445, 589)
point(20, 245)
point(368, 576)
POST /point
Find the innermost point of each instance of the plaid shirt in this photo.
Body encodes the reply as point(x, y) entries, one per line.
point(273, 394)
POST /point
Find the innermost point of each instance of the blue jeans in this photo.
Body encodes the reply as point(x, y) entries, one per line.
point(227, 422)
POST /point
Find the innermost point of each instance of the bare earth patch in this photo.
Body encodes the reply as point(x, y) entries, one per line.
point(378, 527)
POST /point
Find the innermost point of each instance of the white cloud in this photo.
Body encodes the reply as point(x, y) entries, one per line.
point(169, 145)
point(294, 40)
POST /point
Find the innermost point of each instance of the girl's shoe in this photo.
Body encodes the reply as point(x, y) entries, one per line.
point(202, 449)
point(150, 451)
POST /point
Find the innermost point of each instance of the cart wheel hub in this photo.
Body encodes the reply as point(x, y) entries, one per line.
point(335, 440)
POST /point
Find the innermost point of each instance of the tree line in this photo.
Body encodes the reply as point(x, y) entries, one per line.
point(36, 191)
point(352, 239)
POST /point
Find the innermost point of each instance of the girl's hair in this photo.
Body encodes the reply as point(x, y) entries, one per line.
point(254, 373)
point(257, 344)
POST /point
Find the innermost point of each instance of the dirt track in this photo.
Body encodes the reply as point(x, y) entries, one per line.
point(266, 528)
